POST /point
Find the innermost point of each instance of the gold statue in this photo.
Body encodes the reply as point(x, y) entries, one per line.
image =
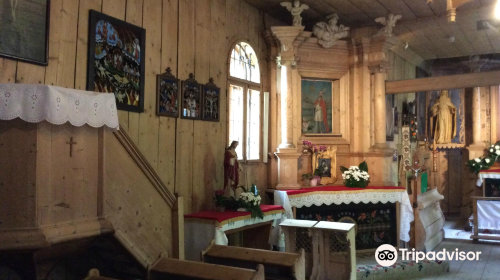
point(445, 124)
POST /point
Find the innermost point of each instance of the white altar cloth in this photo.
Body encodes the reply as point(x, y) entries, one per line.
point(57, 105)
point(328, 198)
point(488, 215)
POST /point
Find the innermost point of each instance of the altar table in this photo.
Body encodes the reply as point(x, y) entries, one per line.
point(329, 195)
point(203, 227)
point(493, 173)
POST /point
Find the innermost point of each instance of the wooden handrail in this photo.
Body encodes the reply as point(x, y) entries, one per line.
point(146, 168)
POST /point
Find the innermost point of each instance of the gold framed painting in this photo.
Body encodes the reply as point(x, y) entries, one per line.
point(326, 162)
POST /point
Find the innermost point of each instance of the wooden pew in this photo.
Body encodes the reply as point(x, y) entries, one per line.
point(94, 275)
point(277, 265)
point(167, 268)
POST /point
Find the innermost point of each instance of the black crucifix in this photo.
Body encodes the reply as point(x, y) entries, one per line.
point(71, 143)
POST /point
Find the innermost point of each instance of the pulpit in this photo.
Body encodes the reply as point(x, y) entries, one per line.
point(53, 134)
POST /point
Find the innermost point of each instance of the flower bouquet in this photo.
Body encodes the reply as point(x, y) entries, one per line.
point(250, 200)
point(482, 163)
point(356, 176)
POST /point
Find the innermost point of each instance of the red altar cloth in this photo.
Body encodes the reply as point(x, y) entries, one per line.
point(229, 215)
point(339, 189)
point(493, 170)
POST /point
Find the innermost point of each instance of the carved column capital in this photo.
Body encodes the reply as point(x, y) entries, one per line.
point(380, 68)
point(289, 39)
point(359, 51)
point(475, 64)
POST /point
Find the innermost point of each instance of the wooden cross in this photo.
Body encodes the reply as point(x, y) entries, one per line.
point(71, 146)
point(416, 169)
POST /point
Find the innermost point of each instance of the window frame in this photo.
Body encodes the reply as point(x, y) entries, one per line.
point(246, 85)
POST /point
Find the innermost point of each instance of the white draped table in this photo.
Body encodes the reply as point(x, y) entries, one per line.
point(329, 195)
point(203, 227)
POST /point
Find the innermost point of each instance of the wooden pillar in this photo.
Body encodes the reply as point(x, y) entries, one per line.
point(286, 104)
point(476, 149)
point(289, 39)
point(379, 100)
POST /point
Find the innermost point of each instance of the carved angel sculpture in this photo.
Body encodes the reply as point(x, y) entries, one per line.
point(388, 24)
point(295, 9)
point(329, 33)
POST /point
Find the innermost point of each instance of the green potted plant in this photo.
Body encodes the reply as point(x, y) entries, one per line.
point(306, 178)
point(220, 201)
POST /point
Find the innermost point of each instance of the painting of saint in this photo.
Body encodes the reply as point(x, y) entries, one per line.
point(316, 107)
point(24, 30)
point(116, 60)
point(325, 167)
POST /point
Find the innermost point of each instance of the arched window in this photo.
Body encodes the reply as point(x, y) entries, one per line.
point(244, 102)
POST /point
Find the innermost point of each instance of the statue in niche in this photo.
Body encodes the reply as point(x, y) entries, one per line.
point(231, 167)
point(444, 114)
point(295, 9)
point(388, 24)
point(329, 33)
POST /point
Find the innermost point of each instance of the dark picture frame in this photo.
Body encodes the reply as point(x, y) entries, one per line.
point(389, 117)
point(23, 32)
point(167, 95)
point(190, 99)
point(210, 102)
point(119, 59)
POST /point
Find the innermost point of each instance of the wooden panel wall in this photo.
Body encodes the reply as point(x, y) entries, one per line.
point(189, 36)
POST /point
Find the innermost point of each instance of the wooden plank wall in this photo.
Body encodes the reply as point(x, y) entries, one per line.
point(189, 36)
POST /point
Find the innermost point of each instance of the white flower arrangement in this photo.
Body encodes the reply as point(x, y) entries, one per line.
point(250, 198)
point(483, 163)
point(355, 176)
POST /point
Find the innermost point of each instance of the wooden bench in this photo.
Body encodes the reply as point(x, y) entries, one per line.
point(277, 265)
point(166, 269)
point(94, 275)
point(330, 247)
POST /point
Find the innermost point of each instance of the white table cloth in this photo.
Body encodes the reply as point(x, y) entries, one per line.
point(488, 216)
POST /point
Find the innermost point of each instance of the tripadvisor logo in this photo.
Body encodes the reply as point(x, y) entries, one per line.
point(387, 255)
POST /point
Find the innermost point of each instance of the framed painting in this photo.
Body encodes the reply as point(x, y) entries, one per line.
point(167, 94)
point(316, 106)
point(389, 117)
point(325, 163)
point(190, 99)
point(24, 30)
point(116, 60)
point(211, 102)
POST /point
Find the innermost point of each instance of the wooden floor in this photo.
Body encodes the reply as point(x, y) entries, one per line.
point(487, 268)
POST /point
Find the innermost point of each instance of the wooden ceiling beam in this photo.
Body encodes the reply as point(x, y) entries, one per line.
point(444, 82)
